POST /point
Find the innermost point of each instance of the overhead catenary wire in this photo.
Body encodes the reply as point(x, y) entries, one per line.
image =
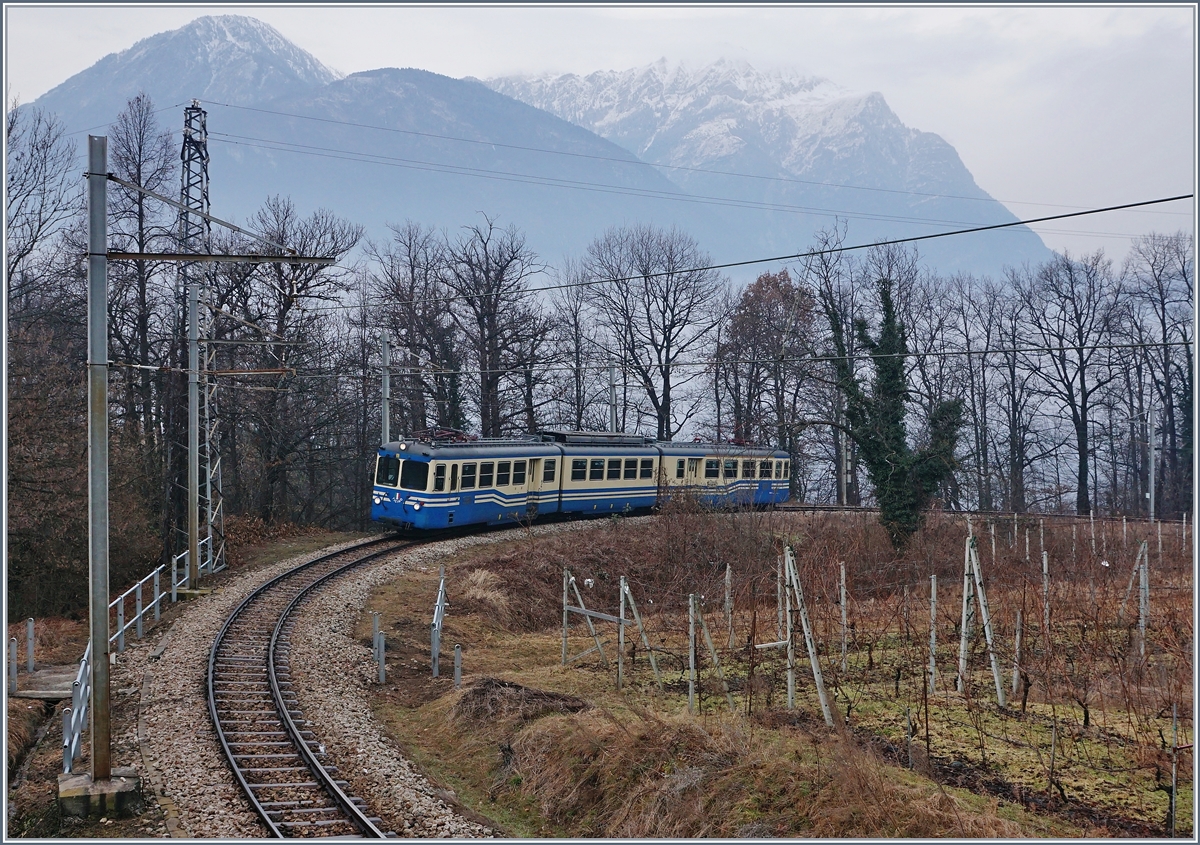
point(558, 182)
point(634, 161)
point(433, 369)
point(772, 260)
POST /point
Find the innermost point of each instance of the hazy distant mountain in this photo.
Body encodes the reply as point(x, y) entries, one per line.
point(562, 158)
point(802, 145)
point(229, 58)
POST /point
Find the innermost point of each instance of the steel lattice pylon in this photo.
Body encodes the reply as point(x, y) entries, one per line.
point(195, 235)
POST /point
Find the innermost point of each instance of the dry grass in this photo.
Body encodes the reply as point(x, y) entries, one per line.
point(25, 717)
point(483, 590)
point(488, 699)
point(673, 776)
point(55, 640)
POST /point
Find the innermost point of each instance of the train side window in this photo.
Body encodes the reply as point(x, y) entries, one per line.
point(414, 475)
point(503, 471)
point(387, 472)
point(548, 470)
point(468, 477)
point(712, 468)
point(439, 477)
point(579, 469)
point(693, 467)
point(631, 467)
point(453, 477)
point(647, 467)
point(596, 473)
point(679, 468)
point(730, 469)
point(787, 469)
point(614, 469)
point(779, 469)
point(747, 469)
point(518, 473)
point(485, 473)
point(764, 469)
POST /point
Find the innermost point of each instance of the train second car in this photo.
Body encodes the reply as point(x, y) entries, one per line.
point(439, 482)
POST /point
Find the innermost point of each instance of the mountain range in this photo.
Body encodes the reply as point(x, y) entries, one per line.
point(749, 163)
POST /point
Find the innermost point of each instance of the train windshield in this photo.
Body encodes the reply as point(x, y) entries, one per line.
point(387, 470)
point(414, 475)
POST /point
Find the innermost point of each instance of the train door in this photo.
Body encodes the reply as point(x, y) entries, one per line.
point(533, 487)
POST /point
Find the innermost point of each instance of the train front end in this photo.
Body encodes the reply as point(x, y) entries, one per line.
point(399, 497)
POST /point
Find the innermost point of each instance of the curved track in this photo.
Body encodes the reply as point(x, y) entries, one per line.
point(275, 757)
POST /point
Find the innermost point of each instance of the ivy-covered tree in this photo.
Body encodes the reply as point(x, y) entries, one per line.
point(905, 479)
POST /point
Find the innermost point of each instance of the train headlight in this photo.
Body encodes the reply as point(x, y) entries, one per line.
point(376, 499)
point(416, 506)
point(403, 446)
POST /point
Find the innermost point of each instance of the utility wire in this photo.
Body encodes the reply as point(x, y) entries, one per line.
point(556, 182)
point(628, 161)
point(775, 259)
point(431, 369)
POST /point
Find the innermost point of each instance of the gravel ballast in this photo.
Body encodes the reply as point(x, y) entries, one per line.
point(181, 761)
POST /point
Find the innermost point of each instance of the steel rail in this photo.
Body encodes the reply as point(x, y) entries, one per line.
point(302, 751)
point(328, 783)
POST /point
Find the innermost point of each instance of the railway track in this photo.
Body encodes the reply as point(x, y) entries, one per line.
point(276, 758)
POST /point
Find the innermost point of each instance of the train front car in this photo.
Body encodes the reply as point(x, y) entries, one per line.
point(727, 475)
point(442, 483)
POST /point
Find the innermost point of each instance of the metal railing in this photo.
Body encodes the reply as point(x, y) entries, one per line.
point(75, 716)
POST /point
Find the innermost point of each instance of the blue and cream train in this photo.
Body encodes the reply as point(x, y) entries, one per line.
point(443, 482)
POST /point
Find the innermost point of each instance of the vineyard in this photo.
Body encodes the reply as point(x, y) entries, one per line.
point(1079, 721)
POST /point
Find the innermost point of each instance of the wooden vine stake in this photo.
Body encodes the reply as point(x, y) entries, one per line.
point(987, 620)
point(712, 650)
point(642, 630)
point(968, 616)
point(932, 632)
point(808, 637)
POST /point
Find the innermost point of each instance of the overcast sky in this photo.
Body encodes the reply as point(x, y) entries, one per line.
point(1068, 106)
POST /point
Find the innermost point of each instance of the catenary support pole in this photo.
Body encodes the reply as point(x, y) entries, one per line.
point(101, 756)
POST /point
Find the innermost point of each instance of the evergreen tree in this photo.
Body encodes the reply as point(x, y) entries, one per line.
point(905, 479)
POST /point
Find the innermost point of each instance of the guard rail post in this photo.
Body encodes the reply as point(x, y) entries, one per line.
point(29, 645)
point(68, 760)
point(137, 606)
point(12, 666)
point(121, 624)
point(157, 596)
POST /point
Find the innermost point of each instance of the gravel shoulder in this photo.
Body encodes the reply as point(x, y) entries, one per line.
point(162, 728)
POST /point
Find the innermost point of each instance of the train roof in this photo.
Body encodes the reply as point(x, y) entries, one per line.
point(456, 445)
